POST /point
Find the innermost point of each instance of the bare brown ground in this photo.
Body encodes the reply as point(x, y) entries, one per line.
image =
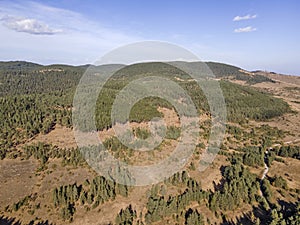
point(170, 116)
point(107, 212)
point(256, 170)
point(63, 137)
point(282, 78)
point(17, 179)
point(63, 176)
point(60, 136)
point(288, 170)
point(238, 213)
point(212, 174)
point(21, 179)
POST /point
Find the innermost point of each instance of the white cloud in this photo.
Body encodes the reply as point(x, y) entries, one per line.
point(28, 25)
point(80, 40)
point(247, 17)
point(245, 29)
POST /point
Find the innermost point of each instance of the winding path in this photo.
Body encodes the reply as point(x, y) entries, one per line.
point(266, 170)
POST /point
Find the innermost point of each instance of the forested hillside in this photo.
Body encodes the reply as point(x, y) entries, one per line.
point(35, 100)
point(35, 97)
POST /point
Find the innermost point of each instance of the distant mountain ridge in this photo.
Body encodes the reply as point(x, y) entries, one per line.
point(220, 70)
point(21, 77)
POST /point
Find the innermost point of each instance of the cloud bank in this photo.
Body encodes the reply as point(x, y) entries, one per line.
point(37, 32)
point(247, 17)
point(28, 25)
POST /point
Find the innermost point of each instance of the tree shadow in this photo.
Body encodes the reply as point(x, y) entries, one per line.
point(287, 208)
point(9, 221)
point(222, 169)
point(245, 219)
point(261, 213)
point(13, 221)
point(219, 186)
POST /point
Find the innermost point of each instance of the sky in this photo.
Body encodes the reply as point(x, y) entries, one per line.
point(252, 34)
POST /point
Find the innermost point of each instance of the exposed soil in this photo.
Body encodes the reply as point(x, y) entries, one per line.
point(17, 179)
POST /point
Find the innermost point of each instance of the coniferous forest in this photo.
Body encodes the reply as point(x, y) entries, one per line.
point(255, 170)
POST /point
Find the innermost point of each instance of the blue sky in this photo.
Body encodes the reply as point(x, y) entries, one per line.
point(252, 34)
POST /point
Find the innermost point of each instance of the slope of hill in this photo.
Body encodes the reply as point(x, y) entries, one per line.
point(45, 179)
point(19, 66)
point(19, 77)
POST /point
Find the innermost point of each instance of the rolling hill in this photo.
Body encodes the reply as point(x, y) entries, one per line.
point(46, 179)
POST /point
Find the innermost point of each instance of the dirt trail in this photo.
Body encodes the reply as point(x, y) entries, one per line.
point(266, 170)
